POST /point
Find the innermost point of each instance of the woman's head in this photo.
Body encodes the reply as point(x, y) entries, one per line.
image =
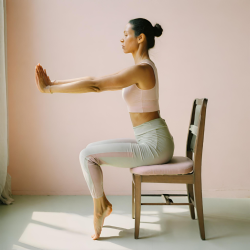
point(140, 30)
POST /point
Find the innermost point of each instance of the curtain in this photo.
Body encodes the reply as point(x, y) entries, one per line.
point(5, 178)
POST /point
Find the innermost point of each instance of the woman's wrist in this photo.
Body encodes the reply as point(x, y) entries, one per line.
point(48, 90)
point(53, 82)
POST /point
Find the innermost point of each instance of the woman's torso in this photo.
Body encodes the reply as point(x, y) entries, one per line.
point(139, 118)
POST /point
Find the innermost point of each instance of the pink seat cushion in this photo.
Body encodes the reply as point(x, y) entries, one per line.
point(177, 165)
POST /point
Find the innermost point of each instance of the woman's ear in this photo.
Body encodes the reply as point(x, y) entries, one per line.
point(141, 38)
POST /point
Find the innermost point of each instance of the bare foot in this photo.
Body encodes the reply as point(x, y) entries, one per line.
point(99, 221)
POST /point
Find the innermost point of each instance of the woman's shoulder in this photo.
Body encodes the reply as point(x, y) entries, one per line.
point(148, 80)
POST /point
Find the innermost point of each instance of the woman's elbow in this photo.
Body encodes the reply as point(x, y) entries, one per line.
point(95, 86)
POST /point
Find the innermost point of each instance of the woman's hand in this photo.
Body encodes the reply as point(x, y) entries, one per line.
point(48, 81)
point(42, 80)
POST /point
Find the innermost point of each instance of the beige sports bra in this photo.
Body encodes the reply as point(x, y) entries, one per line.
point(142, 100)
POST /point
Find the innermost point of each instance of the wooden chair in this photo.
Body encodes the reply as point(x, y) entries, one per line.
point(180, 169)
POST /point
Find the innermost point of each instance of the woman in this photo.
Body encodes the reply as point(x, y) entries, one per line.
point(154, 143)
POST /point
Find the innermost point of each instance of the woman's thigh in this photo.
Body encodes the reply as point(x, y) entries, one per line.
point(123, 153)
point(111, 141)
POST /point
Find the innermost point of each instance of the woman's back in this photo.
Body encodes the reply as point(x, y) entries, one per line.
point(143, 104)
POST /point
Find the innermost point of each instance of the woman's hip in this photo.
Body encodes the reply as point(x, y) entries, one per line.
point(157, 138)
point(152, 125)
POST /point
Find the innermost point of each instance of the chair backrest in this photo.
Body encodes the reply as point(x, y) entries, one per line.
point(195, 136)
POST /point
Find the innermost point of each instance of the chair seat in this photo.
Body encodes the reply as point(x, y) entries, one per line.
point(177, 165)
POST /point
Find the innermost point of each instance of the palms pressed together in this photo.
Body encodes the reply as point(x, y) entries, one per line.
point(42, 80)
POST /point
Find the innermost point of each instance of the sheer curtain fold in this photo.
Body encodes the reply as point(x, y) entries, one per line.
point(5, 178)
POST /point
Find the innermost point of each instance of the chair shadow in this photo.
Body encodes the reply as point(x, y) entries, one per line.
point(130, 233)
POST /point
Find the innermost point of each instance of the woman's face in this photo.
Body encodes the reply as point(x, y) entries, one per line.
point(129, 41)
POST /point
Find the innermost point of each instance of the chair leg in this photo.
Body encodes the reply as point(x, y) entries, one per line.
point(190, 193)
point(199, 208)
point(137, 205)
point(133, 198)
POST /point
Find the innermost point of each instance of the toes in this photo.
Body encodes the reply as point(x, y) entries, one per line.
point(95, 237)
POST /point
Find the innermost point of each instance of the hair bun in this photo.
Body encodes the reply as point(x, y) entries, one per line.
point(158, 30)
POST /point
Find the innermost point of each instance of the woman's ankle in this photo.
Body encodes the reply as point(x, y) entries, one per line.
point(106, 200)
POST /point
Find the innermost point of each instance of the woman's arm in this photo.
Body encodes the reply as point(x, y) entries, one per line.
point(81, 86)
point(58, 82)
point(77, 85)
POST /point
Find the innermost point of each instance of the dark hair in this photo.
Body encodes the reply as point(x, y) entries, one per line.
point(141, 25)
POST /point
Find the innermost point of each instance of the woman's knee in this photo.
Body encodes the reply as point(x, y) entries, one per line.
point(83, 155)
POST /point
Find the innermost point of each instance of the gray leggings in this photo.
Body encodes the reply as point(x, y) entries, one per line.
point(153, 144)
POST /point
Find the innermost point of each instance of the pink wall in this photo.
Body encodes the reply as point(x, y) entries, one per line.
point(203, 52)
